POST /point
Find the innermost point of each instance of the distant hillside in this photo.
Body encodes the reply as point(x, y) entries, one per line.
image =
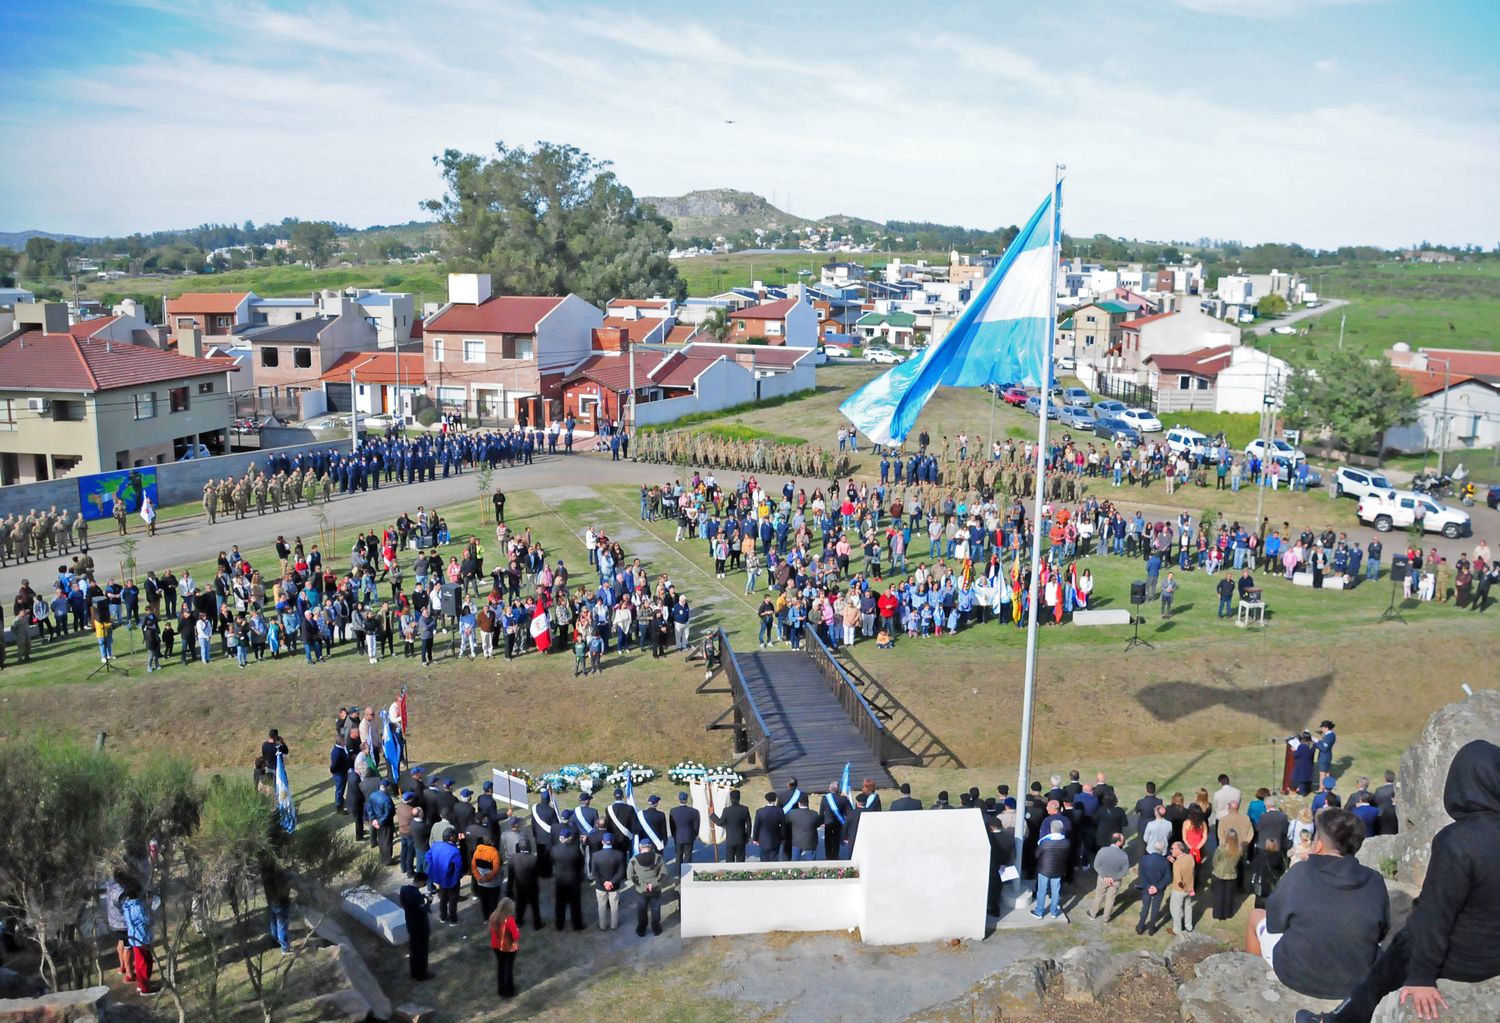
point(722, 211)
point(17, 239)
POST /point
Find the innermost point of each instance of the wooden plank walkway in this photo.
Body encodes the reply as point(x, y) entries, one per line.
point(811, 734)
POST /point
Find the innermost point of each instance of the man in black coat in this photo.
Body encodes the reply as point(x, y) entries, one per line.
point(768, 829)
point(418, 929)
point(438, 801)
point(1385, 801)
point(1272, 824)
point(488, 815)
point(544, 825)
point(653, 825)
point(684, 822)
point(340, 763)
point(835, 809)
point(735, 820)
point(621, 818)
point(906, 801)
point(789, 801)
point(1454, 929)
point(462, 816)
point(1153, 879)
point(609, 879)
point(1145, 809)
point(567, 879)
point(523, 879)
point(802, 828)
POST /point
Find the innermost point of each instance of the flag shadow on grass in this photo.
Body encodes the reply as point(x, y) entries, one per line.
point(1289, 705)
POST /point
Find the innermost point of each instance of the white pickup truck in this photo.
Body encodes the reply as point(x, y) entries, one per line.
point(1397, 509)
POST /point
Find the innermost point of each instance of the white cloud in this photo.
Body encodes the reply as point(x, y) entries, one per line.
point(336, 111)
point(1327, 66)
point(1263, 8)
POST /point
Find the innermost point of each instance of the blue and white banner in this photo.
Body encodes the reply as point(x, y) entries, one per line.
point(394, 743)
point(1004, 336)
point(286, 809)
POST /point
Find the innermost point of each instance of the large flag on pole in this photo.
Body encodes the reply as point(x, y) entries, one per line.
point(394, 745)
point(285, 808)
point(1001, 337)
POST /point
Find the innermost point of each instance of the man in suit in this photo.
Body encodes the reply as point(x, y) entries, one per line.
point(906, 800)
point(802, 830)
point(621, 817)
point(609, 879)
point(1385, 801)
point(767, 831)
point(462, 818)
point(488, 815)
point(544, 824)
point(735, 820)
point(586, 824)
point(653, 825)
point(789, 800)
point(684, 821)
point(567, 879)
point(1145, 810)
point(340, 763)
point(835, 808)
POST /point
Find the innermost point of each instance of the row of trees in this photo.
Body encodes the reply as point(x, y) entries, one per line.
point(1348, 399)
point(204, 855)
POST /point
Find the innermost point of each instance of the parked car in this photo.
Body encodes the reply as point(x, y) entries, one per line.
point(1280, 447)
point(1183, 441)
point(1067, 363)
point(1014, 396)
point(195, 451)
point(1034, 404)
point(1114, 428)
point(1075, 416)
point(1286, 470)
point(1109, 407)
point(1284, 329)
point(1077, 396)
point(1143, 419)
point(1493, 497)
point(1350, 481)
point(1398, 510)
point(837, 352)
point(883, 356)
point(378, 421)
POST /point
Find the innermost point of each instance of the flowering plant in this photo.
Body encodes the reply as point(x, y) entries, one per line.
point(523, 774)
point(587, 777)
point(687, 771)
point(779, 874)
point(556, 781)
point(637, 773)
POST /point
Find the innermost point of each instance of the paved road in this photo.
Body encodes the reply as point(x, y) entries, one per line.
point(1327, 306)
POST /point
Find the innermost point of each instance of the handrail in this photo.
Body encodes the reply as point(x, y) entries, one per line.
point(871, 728)
point(745, 703)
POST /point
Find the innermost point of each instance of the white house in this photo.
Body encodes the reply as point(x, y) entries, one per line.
point(1455, 411)
point(1175, 333)
point(1223, 378)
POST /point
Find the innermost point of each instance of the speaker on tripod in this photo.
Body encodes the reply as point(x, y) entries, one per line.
point(1137, 599)
point(1400, 566)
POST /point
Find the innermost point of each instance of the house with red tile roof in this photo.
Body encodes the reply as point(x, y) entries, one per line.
point(375, 382)
point(1133, 341)
point(71, 404)
point(789, 321)
point(503, 357)
point(1458, 403)
point(212, 312)
point(1219, 378)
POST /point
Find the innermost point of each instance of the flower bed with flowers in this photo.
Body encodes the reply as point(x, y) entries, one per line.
point(778, 874)
point(688, 771)
point(639, 774)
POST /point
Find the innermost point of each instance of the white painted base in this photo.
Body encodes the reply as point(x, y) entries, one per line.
point(1104, 616)
point(1330, 581)
point(712, 908)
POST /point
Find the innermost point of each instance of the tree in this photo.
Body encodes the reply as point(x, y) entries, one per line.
point(1351, 398)
point(8, 260)
point(550, 221)
point(1271, 305)
point(716, 324)
point(313, 241)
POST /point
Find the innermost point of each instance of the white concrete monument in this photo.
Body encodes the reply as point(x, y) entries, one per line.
point(376, 912)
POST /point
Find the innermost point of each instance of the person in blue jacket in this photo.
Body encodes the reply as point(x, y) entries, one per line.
point(445, 868)
point(1302, 764)
point(1324, 747)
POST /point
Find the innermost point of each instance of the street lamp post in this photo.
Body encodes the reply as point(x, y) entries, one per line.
point(1443, 426)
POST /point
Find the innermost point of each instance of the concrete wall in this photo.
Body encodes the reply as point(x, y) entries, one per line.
point(898, 856)
point(783, 384)
point(650, 413)
point(564, 336)
point(176, 482)
point(711, 908)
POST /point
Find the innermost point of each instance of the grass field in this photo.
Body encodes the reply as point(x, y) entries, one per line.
point(1455, 305)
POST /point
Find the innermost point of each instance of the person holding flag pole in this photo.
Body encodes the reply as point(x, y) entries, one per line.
point(541, 627)
point(1006, 333)
point(286, 810)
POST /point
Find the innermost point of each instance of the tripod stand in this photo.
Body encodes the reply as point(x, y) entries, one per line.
point(1392, 613)
point(108, 665)
point(1136, 640)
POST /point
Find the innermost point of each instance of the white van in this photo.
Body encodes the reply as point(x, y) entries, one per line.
point(1182, 441)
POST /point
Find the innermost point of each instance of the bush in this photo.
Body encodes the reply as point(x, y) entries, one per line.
point(427, 416)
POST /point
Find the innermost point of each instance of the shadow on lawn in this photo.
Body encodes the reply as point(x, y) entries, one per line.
point(1289, 705)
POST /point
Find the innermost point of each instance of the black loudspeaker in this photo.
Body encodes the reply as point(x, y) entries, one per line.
point(424, 542)
point(1138, 592)
point(450, 600)
point(1399, 568)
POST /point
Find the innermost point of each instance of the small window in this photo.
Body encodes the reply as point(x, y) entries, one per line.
point(437, 349)
point(473, 350)
point(184, 322)
point(206, 388)
point(145, 405)
point(523, 349)
point(739, 324)
point(179, 400)
point(222, 321)
point(1184, 382)
point(270, 357)
point(7, 414)
point(67, 411)
point(302, 358)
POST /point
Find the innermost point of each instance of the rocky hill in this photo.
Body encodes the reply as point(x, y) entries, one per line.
point(709, 213)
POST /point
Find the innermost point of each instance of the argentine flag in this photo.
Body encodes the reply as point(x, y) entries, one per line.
point(1003, 336)
point(394, 743)
point(286, 809)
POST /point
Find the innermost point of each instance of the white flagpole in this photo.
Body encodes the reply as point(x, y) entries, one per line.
point(1028, 693)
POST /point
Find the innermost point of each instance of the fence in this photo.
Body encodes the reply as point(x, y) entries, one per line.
point(855, 705)
point(752, 741)
point(1131, 393)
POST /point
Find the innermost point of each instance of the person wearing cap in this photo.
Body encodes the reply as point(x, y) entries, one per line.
point(645, 874)
point(438, 800)
point(567, 879)
point(586, 823)
point(488, 814)
point(545, 821)
point(735, 820)
point(445, 869)
point(653, 824)
point(770, 823)
point(461, 816)
point(405, 809)
point(418, 929)
point(485, 873)
point(621, 818)
point(1302, 764)
point(523, 882)
point(609, 878)
point(1325, 796)
point(684, 821)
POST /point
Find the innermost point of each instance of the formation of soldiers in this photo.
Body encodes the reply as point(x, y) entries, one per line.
point(682, 447)
point(256, 491)
point(39, 534)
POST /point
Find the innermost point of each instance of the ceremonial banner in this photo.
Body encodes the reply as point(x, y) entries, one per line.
point(700, 792)
point(509, 789)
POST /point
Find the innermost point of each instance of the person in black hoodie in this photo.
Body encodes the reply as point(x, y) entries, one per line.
point(1323, 925)
point(1454, 929)
point(418, 929)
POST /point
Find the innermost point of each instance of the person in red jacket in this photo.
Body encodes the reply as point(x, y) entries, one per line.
point(888, 604)
point(505, 941)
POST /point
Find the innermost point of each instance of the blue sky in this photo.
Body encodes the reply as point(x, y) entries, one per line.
point(1321, 121)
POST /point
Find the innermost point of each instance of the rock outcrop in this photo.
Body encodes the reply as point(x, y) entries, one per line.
point(88, 1005)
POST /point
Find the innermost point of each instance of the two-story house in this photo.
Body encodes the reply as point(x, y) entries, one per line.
point(291, 358)
point(212, 313)
point(71, 404)
point(788, 321)
point(504, 356)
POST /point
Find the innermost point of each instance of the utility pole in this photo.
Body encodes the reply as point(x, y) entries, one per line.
point(354, 405)
point(1342, 318)
point(1265, 443)
point(1443, 429)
